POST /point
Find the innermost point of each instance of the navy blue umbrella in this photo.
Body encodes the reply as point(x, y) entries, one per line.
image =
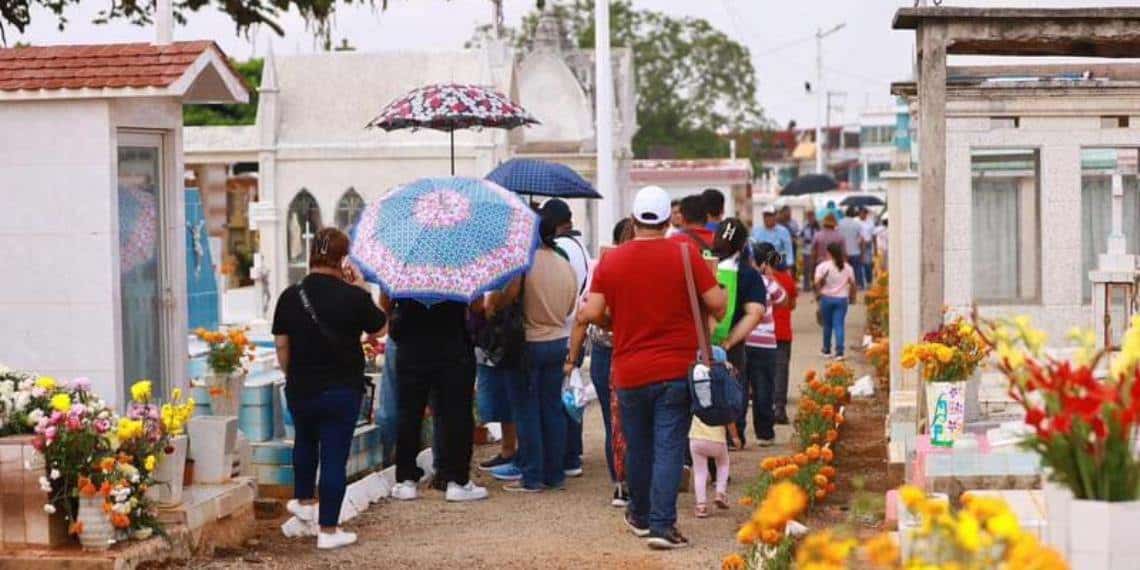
point(538, 178)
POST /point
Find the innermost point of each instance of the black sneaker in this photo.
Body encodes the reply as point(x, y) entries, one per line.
point(621, 497)
point(670, 540)
point(781, 418)
point(495, 462)
point(639, 530)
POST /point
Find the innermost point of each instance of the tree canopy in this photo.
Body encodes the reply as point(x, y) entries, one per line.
point(244, 13)
point(693, 81)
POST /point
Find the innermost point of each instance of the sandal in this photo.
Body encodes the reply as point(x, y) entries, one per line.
point(701, 511)
point(721, 501)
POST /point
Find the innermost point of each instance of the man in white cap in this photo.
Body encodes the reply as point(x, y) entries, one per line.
point(771, 231)
point(642, 284)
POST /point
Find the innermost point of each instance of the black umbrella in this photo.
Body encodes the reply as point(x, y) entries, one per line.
point(862, 201)
point(809, 184)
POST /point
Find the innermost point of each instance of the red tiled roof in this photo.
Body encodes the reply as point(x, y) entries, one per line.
point(98, 66)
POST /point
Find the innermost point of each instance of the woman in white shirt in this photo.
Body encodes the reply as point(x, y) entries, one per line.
point(835, 285)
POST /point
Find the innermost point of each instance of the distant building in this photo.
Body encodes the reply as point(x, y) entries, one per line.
point(878, 129)
point(680, 178)
point(789, 153)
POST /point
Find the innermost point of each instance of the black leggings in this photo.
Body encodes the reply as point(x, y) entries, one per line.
point(450, 385)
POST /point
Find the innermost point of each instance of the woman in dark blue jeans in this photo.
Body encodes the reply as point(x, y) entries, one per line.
point(317, 329)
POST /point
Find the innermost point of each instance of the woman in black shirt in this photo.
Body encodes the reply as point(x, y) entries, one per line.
point(317, 329)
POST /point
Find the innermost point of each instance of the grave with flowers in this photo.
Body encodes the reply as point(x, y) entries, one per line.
point(83, 484)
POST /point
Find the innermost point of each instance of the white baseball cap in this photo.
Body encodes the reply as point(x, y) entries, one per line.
point(651, 206)
point(769, 209)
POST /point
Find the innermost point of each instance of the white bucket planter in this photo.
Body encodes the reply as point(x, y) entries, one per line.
point(1102, 535)
point(225, 393)
point(168, 475)
point(1057, 499)
point(945, 411)
point(97, 532)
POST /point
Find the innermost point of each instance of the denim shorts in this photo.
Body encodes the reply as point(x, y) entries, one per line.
point(491, 398)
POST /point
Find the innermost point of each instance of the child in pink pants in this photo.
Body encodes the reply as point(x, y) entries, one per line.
point(704, 442)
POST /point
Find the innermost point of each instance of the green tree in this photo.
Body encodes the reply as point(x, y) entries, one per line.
point(244, 13)
point(693, 81)
point(198, 115)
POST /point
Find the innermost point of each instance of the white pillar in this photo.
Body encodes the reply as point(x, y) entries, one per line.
point(820, 143)
point(163, 23)
point(604, 104)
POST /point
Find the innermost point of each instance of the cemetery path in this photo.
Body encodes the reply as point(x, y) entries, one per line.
point(574, 528)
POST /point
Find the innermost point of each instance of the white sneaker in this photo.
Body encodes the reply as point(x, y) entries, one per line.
point(330, 540)
point(405, 491)
point(468, 492)
point(307, 513)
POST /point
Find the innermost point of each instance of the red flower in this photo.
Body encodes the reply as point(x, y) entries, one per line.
point(1062, 424)
point(1035, 417)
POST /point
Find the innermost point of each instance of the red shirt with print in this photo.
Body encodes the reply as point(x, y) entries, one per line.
point(643, 282)
point(783, 315)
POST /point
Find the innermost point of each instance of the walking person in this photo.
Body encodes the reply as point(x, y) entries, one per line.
point(784, 217)
point(693, 216)
point(642, 287)
point(782, 315)
point(772, 232)
point(567, 241)
point(835, 284)
point(549, 295)
point(601, 355)
point(317, 329)
point(827, 235)
point(763, 349)
point(867, 239)
point(499, 356)
point(436, 364)
point(708, 447)
point(746, 298)
point(851, 228)
point(807, 251)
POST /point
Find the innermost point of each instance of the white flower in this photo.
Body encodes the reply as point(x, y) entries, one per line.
point(55, 474)
point(45, 485)
point(49, 509)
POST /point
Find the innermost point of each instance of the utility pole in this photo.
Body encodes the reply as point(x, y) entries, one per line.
point(604, 106)
point(820, 93)
point(822, 154)
point(497, 18)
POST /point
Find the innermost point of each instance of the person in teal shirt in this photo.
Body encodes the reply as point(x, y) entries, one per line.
point(770, 231)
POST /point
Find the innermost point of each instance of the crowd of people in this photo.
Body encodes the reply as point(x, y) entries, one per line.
point(507, 354)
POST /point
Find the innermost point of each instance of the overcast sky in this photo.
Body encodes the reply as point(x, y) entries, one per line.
point(859, 61)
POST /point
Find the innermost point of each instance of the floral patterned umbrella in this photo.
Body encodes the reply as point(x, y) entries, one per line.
point(449, 107)
point(445, 239)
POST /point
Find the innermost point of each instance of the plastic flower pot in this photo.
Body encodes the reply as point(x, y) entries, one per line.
point(96, 532)
point(1102, 535)
point(169, 474)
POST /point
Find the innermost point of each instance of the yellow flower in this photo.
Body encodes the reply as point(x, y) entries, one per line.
point(787, 499)
point(968, 532)
point(61, 402)
point(911, 496)
point(945, 354)
point(176, 395)
point(141, 391)
point(46, 382)
point(150, 463)
point(129, 429)
point(908, 360)
point(882, 551)
point(1004, 526)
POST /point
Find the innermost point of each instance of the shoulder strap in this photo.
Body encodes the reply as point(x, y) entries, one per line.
point(585, 262)
point(701, 243)
point(325, 332)
point(704, 352)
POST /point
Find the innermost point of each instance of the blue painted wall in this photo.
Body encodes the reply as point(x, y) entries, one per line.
point(201, 286)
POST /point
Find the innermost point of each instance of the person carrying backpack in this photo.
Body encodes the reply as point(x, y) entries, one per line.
point(693, 230)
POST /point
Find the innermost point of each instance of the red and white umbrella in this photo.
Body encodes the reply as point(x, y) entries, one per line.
point(449, 107)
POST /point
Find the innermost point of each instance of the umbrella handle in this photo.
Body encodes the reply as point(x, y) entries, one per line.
point(452, 152)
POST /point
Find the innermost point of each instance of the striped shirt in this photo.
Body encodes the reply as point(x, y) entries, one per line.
point(764, 335)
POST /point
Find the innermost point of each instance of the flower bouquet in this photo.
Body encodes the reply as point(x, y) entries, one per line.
point(766, 535)
point(949, 356)
point(228, 358)
point(154, 434)
point(21, 393)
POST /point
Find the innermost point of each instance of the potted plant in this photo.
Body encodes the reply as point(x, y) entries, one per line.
point(228, 358)
point(949, 356)
point(1084, 430)
point(161, 445)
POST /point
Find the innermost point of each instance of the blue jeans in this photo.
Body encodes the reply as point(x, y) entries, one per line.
point(386, 416)
point(655, 420)
point(761, 376)
point(491, 397)
point(573, 457)
point(540, 418)
point(856, 262)
point(834, 311)
point(600, 359)
point(324, 427)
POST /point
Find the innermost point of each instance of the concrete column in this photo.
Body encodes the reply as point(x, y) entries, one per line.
point(604, 107)
point(932, 168)
point(903, 263)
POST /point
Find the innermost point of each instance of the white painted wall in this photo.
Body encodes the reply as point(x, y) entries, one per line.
point(59, 243)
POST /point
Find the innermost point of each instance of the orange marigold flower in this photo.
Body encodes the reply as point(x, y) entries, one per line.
point(745, 501)
point(827, 471)
point(75, 528)
point(812, 452)
point(768, 464)
point(800, 459)
point(839, 419)
point(770, 536)
point(105, 489)
point(831, 487)
point(832, 435)
point(820, 493)
point(748, 533)
point(827, 454)
point(107, 464)
point(810, 375)
point(120, 520)
point(732, 562)
point(820, 480)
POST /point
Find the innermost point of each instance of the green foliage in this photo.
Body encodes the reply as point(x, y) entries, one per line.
point(693, 81)
point(245, 14)
point(198, 115)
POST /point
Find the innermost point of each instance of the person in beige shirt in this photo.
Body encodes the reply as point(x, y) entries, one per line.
point(549, 291)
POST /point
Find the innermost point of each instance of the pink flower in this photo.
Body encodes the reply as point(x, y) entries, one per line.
point(102, 425)
point(73, 423)
point(49, 433)
point(82, 384)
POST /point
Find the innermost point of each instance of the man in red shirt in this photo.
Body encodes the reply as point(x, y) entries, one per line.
point(783, 316)
point(693, 216)
point(639, 290)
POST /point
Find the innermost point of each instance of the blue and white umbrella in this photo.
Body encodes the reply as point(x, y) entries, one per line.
point(538, 178)
point(445, 239)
